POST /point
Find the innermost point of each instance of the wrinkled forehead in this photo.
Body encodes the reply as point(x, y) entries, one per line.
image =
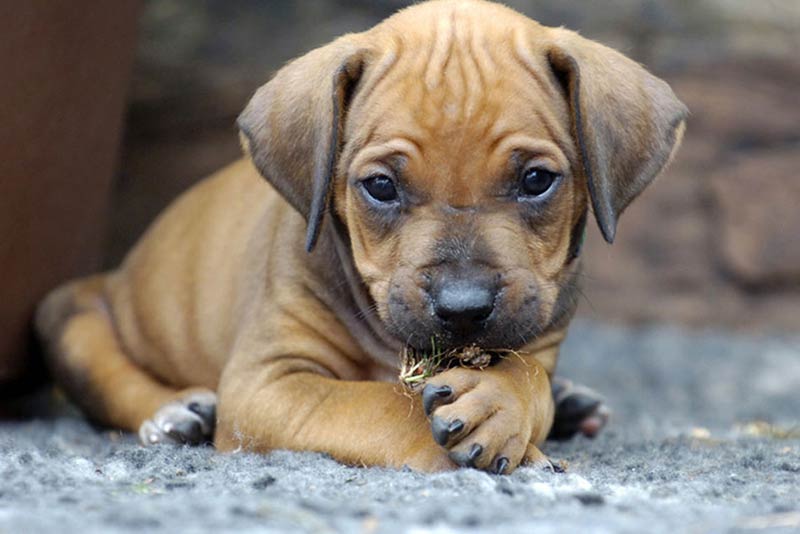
point(461, 97)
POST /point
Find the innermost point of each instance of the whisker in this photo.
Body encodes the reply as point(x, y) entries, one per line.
point(362, 314)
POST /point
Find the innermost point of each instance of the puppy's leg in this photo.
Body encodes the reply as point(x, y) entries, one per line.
point(493, 419)
point(578, 409)
point(85, 356)
point(288, 404)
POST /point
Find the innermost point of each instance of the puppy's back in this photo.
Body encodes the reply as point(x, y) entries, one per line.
point(179, 295)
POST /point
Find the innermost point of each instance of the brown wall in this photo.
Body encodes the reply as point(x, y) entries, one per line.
point(64, 72)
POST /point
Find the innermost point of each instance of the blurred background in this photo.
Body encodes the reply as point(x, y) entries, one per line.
point(145, 94)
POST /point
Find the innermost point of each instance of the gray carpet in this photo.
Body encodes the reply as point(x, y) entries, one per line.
point(679, 456)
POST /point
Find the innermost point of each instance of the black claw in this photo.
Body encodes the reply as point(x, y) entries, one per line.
point(208, 412)
point(474, 453)
point(439, 429)
point(431, 393)
point(442, 430)
point(466, 459)
point(501, 465)
point(460, 459)
point(455, 427)
point(188, 431)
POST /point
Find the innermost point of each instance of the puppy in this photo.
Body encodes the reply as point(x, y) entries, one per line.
point(428, 179)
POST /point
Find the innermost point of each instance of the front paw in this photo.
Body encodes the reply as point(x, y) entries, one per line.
point(480, 422)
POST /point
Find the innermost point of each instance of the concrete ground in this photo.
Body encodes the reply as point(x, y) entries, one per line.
point(705, 438)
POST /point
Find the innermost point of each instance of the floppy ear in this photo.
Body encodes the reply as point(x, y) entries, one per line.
point(627, 123)
point(291, 127)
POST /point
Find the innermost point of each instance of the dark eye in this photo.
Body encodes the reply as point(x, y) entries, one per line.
point(536, 181)
point(380, 188)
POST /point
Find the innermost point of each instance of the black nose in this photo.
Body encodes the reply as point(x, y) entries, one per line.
point(463, 304)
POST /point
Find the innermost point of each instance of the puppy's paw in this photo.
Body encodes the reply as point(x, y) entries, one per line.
point(478, 421)
point(578, 409)
point(189, 420)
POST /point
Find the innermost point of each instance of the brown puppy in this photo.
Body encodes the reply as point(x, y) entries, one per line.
point(440, 167)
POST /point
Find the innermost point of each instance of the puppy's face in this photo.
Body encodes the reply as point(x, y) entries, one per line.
point(460, 147)
point(462, 199)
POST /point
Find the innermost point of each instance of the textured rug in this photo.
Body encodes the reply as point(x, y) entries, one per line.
point(704, 438)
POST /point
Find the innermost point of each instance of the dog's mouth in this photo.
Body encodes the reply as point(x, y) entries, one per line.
point(502, 335)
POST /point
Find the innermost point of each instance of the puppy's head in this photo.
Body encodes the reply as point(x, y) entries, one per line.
point(460, 145)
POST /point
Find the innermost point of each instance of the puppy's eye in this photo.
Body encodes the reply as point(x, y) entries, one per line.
point(381, 188)
point(536, 182)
